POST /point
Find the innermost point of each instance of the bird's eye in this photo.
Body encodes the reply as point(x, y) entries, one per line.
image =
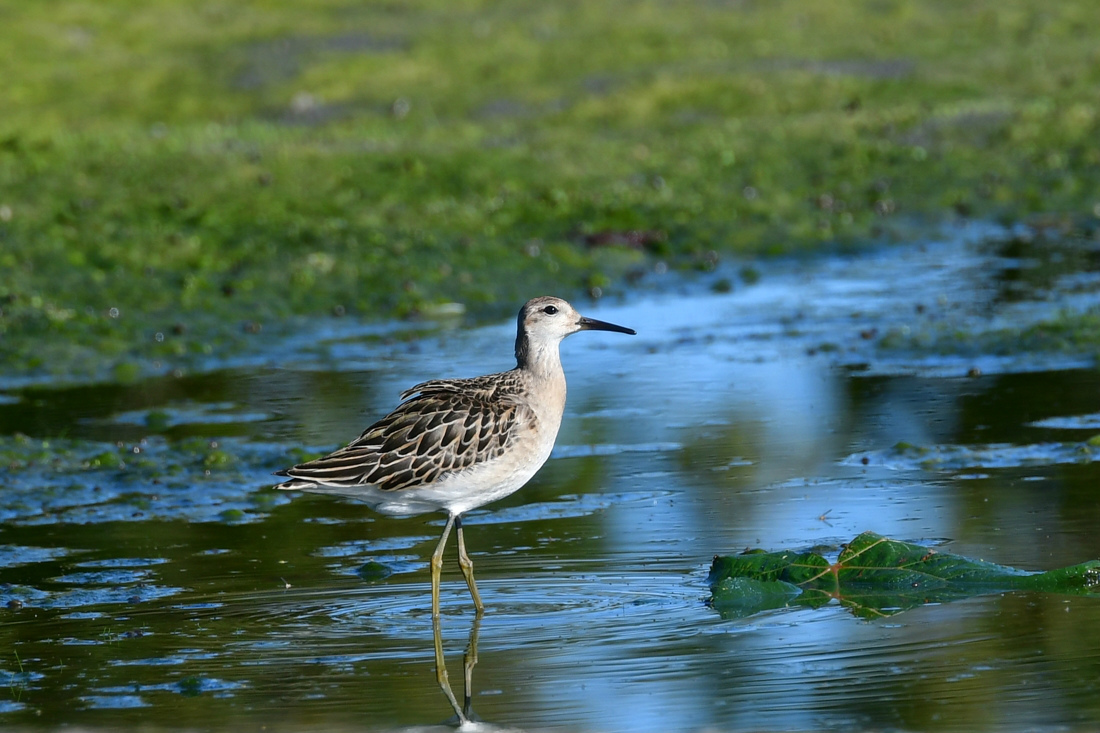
point(550, 310)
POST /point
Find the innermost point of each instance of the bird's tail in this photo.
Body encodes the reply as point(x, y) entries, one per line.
point(296, 484)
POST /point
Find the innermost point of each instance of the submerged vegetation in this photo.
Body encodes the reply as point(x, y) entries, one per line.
point(179, 179)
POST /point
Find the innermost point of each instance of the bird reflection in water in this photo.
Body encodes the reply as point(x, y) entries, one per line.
point(463, 714)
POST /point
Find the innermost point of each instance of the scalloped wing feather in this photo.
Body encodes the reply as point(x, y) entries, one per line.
point(442, 427)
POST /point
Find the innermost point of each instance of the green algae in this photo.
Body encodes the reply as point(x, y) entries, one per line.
point(905, 456)
point(178, 181)
point(82, 481)
point(373, 571)
point(875, 576)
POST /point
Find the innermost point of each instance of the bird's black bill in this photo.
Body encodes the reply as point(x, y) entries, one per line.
point(591, 324)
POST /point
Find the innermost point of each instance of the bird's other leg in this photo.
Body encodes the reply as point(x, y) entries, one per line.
point(437, 563)
point(467, 566)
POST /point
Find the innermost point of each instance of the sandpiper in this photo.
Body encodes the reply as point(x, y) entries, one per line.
point(456, 444)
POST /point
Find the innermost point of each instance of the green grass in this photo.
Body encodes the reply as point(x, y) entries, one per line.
point(204, 167)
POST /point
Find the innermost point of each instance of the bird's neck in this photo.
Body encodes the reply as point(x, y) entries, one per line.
point(540, 360)
point(541, 369)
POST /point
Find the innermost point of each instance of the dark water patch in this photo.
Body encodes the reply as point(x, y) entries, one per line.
point(1035, 266)
point(175, 406)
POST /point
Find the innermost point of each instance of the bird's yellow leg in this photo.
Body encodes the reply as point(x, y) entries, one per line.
point(467, 566)
point(437, 563)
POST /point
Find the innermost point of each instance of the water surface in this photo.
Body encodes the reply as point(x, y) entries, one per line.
point(152, 578)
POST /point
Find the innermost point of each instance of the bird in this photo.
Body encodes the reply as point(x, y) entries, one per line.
point(453, 445)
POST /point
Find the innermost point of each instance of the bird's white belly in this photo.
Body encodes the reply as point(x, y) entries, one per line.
point(460, 492)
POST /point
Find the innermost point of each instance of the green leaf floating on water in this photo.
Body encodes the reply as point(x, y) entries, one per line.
point(875, 576)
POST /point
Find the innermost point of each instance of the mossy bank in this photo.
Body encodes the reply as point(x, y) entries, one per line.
point(176, 178)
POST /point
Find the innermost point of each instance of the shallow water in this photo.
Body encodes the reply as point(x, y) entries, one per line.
point(151, 577)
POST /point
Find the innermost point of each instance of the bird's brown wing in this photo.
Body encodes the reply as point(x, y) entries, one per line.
point(449, 425)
